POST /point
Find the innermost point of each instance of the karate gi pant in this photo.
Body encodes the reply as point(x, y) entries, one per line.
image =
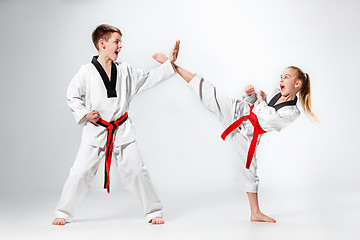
point(133, 172)
point(246, 179)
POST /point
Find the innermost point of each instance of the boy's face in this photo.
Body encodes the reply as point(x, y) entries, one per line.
point(111, 47)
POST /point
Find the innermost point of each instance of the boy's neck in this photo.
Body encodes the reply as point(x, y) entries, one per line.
point(104, 61)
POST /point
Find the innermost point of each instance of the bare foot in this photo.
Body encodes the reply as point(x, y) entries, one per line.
point(157, 220)
point(259, 217)
point(160, 57)
point(58, 221)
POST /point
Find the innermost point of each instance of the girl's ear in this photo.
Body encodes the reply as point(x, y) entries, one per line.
point(298, 84)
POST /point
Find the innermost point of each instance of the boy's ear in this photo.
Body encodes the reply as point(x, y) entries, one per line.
point(101, 43)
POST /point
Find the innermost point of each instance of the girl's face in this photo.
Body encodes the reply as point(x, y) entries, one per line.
point(290, 84)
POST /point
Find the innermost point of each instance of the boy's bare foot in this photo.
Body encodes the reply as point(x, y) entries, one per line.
point(157, 220)
point(259, 217)
point(58, 221)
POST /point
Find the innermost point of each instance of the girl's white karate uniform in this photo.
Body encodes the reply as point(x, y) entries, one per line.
point(228, 110)
point(87, 92)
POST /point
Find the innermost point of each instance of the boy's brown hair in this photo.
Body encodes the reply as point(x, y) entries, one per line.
point(103, 31)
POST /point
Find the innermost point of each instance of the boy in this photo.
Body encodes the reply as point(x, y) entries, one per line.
point(99, 96)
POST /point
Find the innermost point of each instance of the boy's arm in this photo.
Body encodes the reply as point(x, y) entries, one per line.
point(76, 99)
point(142, 80)
point(216, 102)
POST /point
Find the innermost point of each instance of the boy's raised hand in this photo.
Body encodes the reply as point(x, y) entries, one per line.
point(174, 52)
point(161, 58)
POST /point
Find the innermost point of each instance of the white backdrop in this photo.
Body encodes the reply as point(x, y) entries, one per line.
point(230, 43)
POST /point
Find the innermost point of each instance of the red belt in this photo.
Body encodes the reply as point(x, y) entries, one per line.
point(257, 130)
point(110, 127)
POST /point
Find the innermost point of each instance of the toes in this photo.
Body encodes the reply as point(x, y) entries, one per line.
point(157, 221)
point(262, 218)
point(270, 220)
point(58, 221)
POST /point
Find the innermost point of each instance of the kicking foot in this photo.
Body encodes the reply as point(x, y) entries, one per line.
point(157, 220)
point(259, 217)
point(58, 221)
point(160, 57)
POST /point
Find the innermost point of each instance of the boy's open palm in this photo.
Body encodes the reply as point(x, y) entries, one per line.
point(161, 58)
point(174, 52)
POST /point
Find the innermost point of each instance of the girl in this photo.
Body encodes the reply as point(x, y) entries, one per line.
point(252, 115)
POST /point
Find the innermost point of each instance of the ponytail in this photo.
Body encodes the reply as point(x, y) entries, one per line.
point(305, 93)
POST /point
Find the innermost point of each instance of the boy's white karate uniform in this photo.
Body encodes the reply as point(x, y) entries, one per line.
point(228, 110)
point(87, 92)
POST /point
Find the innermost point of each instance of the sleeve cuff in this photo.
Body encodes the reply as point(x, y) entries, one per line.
point(195, 81)
point(259, 106)
point(80, 117)
point(169, 67)
point(250, 99)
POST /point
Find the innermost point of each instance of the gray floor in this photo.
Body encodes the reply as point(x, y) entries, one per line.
point(198, 215)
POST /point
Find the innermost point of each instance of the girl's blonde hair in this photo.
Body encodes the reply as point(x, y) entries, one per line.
point(305, 93)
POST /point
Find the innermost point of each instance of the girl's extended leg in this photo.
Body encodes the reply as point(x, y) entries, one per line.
point(256, 214)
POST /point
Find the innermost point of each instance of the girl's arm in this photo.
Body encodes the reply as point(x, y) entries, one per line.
point(270, 118)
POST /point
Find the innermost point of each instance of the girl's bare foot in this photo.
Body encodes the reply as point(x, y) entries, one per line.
point(160, 57)
point(259, 217)
point(157, 220)
point(58, 221)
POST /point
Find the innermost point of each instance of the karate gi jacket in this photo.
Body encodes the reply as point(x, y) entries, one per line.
point(87, 92)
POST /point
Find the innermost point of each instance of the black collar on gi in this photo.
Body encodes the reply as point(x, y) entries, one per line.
point(110, 85)
point(283, 104)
